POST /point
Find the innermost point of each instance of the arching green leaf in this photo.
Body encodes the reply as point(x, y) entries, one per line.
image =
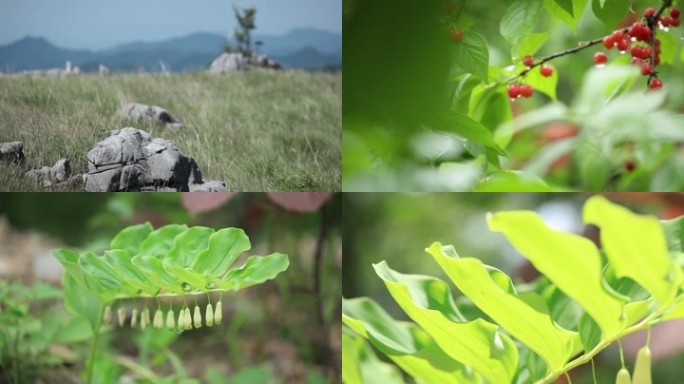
point(130, 238)
point(225, 246)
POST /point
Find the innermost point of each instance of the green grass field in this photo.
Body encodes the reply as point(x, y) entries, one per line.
point(257, 131)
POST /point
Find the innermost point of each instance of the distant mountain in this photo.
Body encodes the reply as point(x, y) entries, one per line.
point(308, 49)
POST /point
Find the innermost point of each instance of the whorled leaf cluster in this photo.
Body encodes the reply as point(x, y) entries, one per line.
point(174, 260)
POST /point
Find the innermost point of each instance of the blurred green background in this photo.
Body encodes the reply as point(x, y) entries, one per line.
point(284, 331)
point(398, 227)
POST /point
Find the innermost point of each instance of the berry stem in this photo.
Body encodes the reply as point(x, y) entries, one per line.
point(651, 22)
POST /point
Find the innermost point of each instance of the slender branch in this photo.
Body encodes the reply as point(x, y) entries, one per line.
point(322, 240)
point(651, 22)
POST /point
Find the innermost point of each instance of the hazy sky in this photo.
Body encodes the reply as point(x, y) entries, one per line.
point(97, 24)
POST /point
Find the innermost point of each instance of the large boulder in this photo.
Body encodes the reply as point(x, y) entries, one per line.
point(12, 152)
point(234, 62)
point(150, 113)
point(132, 160)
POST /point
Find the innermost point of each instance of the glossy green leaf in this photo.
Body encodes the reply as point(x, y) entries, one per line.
point(465, 127)
point(81, 302)
point(366, 367)
point(98, 267)
point(530, 44)
point(545, 85)
point(351, 370)
point(472, 55)
point(610, 12)
point(668, 48)
point(635, 246)
point(69, 260)
point(160, 241)
point(512, 181)
point(130, 238)
point(407, 345)
point(120, 260)
point(590, 332)
point(674, 234)
point(188, 244)
point(478, 344)
point(154, 270)
point(570, 261)
point(520, 19)
point(569, 14)
point(257, 269)
point(532, 325)
point(186, 275)
point(225, 246)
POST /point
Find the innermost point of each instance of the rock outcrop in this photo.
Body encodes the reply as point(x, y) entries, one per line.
point(12, 152)
point(56, 176)
point(132, 160)
point(150, 113)
point(234, 62)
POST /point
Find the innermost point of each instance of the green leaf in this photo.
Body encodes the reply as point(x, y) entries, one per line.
point(674, 233)
point(188, 245)
point(186, 275)
point(569, 15)
point(69, 260)
point(98, 267)
point(465, 127)
point(408, 346)
point(472, 55)
point(610, 12)
point(120, 260)
point(519, 20)
point(626, 239)
point(570, 261)
point(490, 106)
point(81, 302)
point(477, 344)
point(532, 325)
point(362, 366)
point(512, 181)
point(668, 48)
point(531, 43)
point(545, 85)
point(225, 246)
point(256, 270)
point(154, 270)
point(159, 242)
point(130, 238)
point(534, 118)
point(589, 331)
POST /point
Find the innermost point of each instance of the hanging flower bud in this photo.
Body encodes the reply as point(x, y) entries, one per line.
point(170, 320)
point(134, 317)
point(218, 314)
point(209, 315)
point(197, 317)
point(181, 319)
point(145, 318)
point(108, 315)
point(122, 316)
point(158, 319)
point(188, 319)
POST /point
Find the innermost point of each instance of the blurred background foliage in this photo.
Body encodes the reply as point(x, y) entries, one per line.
point(284, 331)
point(416, 116)
point(398, 227)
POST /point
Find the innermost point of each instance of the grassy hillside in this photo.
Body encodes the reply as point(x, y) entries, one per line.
point(257, 131)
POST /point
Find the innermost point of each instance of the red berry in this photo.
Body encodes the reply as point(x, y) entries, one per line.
point(609, 42)
point(649, 12)
point(646, 69)
point(636, 61)
point(674, 12)
point(456, 35)
point(618, 35)
point(622, 45)
point(645, 33)
point(600, 58)
point(665, 22)
point(546, 70)
point(526, 90)
point(528, 61)
point(655, 84)
point(634, 29)
point(635, 51)
point(513, 91)
point(674, 22)
point(630, 165)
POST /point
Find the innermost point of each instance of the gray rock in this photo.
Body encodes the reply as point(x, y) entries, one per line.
point(150, 113)
point(131, 160)
point(51, 176)
point(12, 152)
point(234, 62)
point(209, 186)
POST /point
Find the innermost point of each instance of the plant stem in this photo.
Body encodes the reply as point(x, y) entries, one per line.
point(91, 362)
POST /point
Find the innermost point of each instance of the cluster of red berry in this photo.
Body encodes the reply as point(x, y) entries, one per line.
point(524, 90)
point(645, 48)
